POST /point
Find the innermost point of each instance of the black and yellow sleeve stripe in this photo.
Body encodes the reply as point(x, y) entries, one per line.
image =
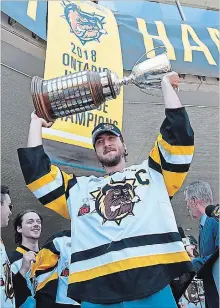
point(47, 182)
point(173, 150)
point(45, 267)
point(44, 273)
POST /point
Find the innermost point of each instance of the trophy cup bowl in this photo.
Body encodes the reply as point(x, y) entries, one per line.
point(87, 90)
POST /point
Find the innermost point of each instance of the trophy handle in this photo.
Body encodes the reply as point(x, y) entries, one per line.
point(146, 53)
point(162, 46)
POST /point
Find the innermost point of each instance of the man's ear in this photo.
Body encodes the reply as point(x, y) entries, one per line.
point(125, 148)
point(19, 229)
point(194, 200)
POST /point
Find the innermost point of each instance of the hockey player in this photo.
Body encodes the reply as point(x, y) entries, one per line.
point(126, 248)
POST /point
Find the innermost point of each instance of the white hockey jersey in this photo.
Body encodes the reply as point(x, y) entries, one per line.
point(6, 285)
point(125, 242)
point(51, 271)
point(26, 297)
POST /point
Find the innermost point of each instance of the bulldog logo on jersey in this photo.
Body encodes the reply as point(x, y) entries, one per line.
point(9, 292)
point(116, 200)
point(86, 26)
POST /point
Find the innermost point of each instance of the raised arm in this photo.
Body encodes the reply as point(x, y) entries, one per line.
point(35, 131)
point(169, 83)
point(47, 182)
point(174, 147)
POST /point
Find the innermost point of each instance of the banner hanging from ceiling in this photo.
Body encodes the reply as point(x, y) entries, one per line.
point(82, 37)
point(193, 45)
point(192, 48)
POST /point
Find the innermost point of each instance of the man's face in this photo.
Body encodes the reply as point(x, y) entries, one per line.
point(109, 149)
point(6, 208)
point(30, 226)
point(193, 208)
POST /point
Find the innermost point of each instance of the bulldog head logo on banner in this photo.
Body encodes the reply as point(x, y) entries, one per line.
point(86, 26)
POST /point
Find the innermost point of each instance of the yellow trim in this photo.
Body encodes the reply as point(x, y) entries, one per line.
point(45, 259)
point(59, 205)
point(21, 250)
point(50, 278)
point(66, 178)
point(175, 149)
point(173, 181)
point(44, 180)
point(128, 264)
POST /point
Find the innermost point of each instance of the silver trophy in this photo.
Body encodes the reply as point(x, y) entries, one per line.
point(87, 90)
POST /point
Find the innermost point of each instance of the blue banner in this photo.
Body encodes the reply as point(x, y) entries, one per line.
point(193, 47)
point(31, 14)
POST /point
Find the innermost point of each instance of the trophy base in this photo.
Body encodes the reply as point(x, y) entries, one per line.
point(41, 102)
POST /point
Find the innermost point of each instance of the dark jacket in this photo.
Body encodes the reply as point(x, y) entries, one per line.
point(208, 241)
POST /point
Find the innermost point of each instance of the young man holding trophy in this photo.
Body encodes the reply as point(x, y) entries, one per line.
point(126, 248)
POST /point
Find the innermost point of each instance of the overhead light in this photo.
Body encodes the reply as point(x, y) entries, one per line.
point(188, 229)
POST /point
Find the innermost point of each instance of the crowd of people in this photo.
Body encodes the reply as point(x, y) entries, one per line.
point(124, 248)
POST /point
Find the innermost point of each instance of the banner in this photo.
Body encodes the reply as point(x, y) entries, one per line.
point(80, 37)
point(192, 48)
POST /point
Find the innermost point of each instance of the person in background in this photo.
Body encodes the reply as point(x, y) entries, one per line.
point(198, 195)
point(51, 272)
point(27, 228)
point(11, 286)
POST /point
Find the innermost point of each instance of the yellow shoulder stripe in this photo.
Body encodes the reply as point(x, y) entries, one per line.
point(21, 250)
point(66, 178)
point(59, 205)
point(173, 181)
point(175, 149)
point(46, 179)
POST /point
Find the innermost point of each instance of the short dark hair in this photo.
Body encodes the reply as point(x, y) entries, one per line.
point(4, 191)
point(18, 221)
